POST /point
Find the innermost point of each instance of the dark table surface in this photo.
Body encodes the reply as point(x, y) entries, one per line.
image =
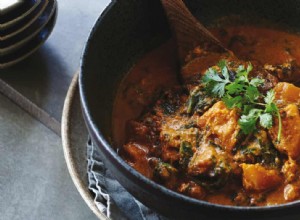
point(34, 181)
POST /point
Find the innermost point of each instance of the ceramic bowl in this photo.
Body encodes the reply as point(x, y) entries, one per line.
point(13, 11)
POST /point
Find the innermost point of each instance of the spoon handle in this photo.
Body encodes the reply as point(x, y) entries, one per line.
point(189, 32)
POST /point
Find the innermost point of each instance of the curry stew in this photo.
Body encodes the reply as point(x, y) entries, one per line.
point(193, 143)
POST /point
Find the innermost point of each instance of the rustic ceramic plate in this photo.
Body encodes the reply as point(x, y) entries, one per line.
point(74, 139)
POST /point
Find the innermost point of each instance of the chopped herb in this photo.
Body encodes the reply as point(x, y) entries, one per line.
point(248, 122)
point(259, 150)
point(186, 152)
point(271, 108)
point(266, 120)
point(198, 101)
point(243, 93)
point(232, 102)
point(168, 108)
point(256, 82)
point(193, 99)
point(165, 170)
point(216, 178)
point(189, 125)
point(216, 82)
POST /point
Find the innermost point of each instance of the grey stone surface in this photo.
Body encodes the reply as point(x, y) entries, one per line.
point(44, 77)
point(34, 181)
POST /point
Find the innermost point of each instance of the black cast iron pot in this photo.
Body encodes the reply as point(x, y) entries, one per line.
point(126, 30)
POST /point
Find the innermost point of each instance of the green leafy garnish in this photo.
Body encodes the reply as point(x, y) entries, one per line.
point(215, 82)
point(248, 122)
point(265, 120)
point(241, 92)
point(198, 101)
point(271, 108)
point(185, 152)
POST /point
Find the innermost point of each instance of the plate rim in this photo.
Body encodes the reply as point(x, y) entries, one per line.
point(66, 143)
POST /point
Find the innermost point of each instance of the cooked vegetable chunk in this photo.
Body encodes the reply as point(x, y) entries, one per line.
point(258, 178)
point(203, 160)
point(290, 136)
point(286, 93)
point(137, 158)
point(174, 131)
point(210, 165)
point(291, 192)
point(221, 125)
point(291, 171)
point(192, 189)
point(259, 150)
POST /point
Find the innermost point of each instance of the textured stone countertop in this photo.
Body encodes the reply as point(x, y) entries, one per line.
point(34, 181)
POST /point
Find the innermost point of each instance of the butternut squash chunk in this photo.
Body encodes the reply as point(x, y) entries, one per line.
point(290, 135)
point(286, 93)
point(221, 125)
point(258, 178)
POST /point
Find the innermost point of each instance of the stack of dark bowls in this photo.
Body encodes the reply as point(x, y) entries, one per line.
point(24, 26)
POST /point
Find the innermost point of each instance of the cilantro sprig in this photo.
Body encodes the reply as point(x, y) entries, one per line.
point(236, 89)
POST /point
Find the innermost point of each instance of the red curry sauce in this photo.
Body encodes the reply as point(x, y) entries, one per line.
point(146, 124)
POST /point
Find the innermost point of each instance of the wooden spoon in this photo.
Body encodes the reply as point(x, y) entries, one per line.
point(197, 47)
